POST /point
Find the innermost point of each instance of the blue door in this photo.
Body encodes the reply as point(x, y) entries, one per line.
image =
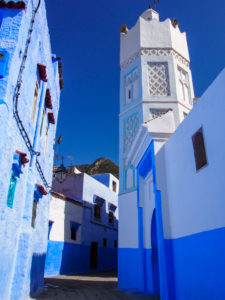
point(154, 258)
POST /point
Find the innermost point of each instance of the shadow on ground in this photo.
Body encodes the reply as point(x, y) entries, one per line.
point(93, 286)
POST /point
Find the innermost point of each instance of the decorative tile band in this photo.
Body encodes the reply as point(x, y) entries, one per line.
point(155, 52)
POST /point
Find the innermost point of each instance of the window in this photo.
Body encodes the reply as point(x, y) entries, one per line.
point(46, 140)
point(74, 226)
point(1, 17)
point(34, 213)
point(114, 186)
point(129, 94)
point(73, 233)
point(105, 242)
point(185, 115)
point(158, 77)
point(97, 211)
point(111, 218)
point(154, 113)
point(115, 243)
point(131, 86)
point(34, 107)
point(50, 224)
point(4, 57)
point(184, 90)
point(11, 191)
point(42, 121)
point(199, 149)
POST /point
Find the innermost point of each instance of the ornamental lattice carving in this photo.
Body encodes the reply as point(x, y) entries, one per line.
point(130, 128)
point(158, 79)
point(156, 52)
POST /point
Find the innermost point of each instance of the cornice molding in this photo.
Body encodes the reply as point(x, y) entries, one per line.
point(155, 52)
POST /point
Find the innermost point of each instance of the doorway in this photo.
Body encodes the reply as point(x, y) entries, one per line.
point(94, 255)
point(154, 257)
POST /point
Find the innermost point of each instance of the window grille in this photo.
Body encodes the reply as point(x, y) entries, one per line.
point(131, 86)
point(154, 113)
point(184, 85)
point(158, 76)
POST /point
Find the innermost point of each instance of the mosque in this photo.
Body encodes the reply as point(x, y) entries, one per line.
point(171, 152)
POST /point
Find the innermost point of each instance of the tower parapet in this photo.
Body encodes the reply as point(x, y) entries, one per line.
point(155, 77)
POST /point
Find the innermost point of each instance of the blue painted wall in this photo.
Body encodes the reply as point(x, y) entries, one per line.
point(68, 258)
point(23, 248)
point(128, 264)
point(197, 265)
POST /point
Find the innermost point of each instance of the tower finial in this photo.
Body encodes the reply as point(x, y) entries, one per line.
point(155, 3)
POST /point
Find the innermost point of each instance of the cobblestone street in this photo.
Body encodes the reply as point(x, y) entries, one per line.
point(95, 286)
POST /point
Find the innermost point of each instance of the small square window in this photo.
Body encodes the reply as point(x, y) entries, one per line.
point(199, 149)
point(105, 242)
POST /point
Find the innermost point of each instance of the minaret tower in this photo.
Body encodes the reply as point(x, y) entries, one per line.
point(155, 76)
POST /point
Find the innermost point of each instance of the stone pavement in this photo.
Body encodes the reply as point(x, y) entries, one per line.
point(91, 286)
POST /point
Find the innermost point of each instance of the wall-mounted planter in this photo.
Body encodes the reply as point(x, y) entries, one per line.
point(12, 4)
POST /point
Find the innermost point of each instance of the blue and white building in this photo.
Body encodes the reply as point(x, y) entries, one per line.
point(30, 81)
point(83, 224)
point(173, 163)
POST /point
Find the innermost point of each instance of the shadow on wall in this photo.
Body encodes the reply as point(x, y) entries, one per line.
point(37, 273)
point(87, 254)
point(75, 255)
point(84, 249)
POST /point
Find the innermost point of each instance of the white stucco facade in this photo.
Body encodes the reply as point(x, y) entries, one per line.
point(83, 220)
point(192, 201)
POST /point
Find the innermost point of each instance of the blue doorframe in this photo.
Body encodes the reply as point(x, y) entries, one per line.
point(145, 166)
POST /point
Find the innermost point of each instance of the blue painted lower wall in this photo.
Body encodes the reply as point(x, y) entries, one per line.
point(37, 273)
point(195, 267)
point(198, 266)
point(128, 276)
point(68, 258)
point(128, 271)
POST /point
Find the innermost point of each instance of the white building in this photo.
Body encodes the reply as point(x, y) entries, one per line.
point(83, 224)
point(172, 189)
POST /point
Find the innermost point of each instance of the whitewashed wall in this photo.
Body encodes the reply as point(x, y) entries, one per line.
point(62, 212)
point(128, 216)
point(193, 201)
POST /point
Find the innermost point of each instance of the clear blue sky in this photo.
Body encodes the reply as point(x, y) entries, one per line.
point(86, 35)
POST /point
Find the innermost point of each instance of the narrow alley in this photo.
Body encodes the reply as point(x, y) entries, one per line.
point(93, 286)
